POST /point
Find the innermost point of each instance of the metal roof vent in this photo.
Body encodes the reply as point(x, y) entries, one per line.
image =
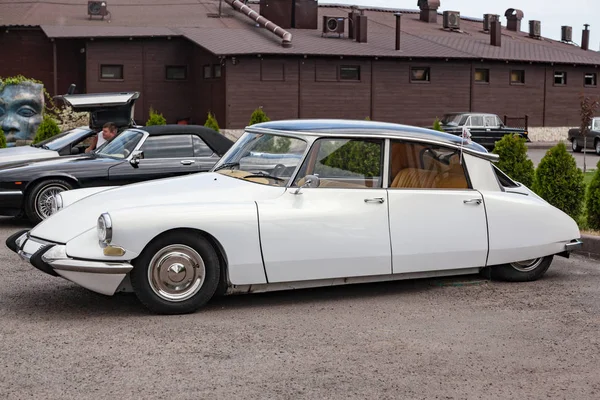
point(535, 29)
point(487, 21)
point(585, 38)
point(514, 18)
point(97, 9)
point(452, 20)
point(566, 34)
point(429, 10)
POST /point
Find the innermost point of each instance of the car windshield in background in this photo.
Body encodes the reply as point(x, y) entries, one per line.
point(122, 145)
point(59, 141)
point(451, 119)
point(263, 158)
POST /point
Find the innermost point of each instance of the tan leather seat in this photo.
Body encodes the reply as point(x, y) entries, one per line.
point(415, 179)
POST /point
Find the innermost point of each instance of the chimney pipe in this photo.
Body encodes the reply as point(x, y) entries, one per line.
point(429, 10)
point(398, 31)
point(361, 28)
point(352, 22)
point(585, 38)
point(262, 21)
point(514, 18)
point(495, 32)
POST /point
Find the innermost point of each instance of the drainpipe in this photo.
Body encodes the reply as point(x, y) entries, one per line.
point(262, 21)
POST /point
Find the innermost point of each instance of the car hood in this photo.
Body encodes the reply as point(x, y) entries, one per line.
point(24, 153)
point(207, 187)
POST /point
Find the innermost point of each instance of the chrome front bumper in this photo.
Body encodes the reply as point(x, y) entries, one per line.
point(573, 245)
point(51, 258)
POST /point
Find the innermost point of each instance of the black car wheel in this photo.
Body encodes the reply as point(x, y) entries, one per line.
point(176, 274)
point(37, 202)
point(575, 146)
point(523, 271)
point(597, 146)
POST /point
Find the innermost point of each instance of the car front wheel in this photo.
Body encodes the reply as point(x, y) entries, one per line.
point(576, 147)
point(38, 202)
point(597, 146)
point(176, 274)
point(522, 271)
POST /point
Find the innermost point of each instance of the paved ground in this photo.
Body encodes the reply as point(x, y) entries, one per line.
point(427, 339)
point(592, 159)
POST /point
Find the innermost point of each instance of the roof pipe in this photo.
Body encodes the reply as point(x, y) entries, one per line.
point(262, 21)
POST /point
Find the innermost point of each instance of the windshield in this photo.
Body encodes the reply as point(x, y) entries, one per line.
point(59, 141)
point(122, 145)
point(263, 158)
point(451, 119)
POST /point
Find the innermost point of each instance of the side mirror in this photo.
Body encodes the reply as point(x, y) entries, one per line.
point(136, 156)
point(74, 151)
point(310, 181)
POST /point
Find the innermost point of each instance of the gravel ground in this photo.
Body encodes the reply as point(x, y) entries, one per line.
point(458, 338)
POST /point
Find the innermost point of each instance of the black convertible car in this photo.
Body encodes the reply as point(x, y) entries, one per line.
point(135, 155)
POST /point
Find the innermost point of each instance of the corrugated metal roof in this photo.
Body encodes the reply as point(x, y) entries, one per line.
point(236, 34)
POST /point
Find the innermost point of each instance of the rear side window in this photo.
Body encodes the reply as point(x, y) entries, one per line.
point(168, 146)
point(201, 149)
point(504, 180)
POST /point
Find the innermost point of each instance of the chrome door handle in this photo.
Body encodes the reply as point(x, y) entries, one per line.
point(473, 201)
point(375, 200)
point(188, 162)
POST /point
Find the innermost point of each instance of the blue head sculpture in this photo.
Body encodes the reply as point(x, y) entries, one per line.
point(21, 110)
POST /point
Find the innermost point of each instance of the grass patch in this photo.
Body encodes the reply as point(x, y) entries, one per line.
point(587, 177)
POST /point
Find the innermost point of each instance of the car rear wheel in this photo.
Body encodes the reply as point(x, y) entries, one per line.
point(597, 146)
point(176, 274)
point(38, 201)
point(576, 147)
point(522, 271)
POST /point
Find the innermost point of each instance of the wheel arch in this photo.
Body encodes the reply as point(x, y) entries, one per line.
point(221, 254)
point(65, 177)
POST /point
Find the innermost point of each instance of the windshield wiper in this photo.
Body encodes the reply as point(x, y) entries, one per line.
point(264, 175)
point(227, 165)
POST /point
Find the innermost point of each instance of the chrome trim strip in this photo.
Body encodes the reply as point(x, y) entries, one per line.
point(383, 134)
point(92, 267)
point(574, 245)
point(12, 193)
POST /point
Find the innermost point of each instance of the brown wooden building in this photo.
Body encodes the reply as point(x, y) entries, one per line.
point(186, 60)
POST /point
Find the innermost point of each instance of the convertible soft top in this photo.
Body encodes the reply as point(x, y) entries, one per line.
point(219, 143)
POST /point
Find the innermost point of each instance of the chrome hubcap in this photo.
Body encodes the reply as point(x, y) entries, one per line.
point(43, 202)
point(528, 265)
point(598, 146)
point(176, 273)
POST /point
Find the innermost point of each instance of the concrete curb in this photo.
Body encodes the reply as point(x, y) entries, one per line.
point(541, 145)
point(591, 247)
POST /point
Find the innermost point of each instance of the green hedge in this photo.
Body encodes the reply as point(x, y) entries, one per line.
point(593, 201)
point(211, 122)
point(513, 159)
point(47, 129)
point(2, 139)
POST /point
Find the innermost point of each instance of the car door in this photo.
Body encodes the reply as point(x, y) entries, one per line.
point(479, 133)
point(338, 229)
point(164, 156)
point(437, 221)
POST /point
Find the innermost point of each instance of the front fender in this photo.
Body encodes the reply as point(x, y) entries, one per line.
point(71, 196)
point(233, 225)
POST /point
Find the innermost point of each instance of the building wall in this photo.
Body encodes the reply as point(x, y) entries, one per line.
point(208, 94)
point(71, 65)
point(27, 52)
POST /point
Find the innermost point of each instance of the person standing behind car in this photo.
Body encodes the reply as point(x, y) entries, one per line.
point(109, 131)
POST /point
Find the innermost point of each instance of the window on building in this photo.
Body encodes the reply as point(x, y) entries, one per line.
point(517, 77)
point(350, 73)
point(217, 71)
point(168, 146)
point(176, 72)
point(111, 72)
point(560, 78)
point(591, 79)
point(424, 166)
point(207, 72)
point(420, 74)
point(482, 75)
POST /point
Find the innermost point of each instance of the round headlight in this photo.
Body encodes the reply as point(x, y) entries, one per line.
point(104, 229)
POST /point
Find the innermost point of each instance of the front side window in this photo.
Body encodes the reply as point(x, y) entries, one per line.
point(453, 119)
point(491, 121)
point(168, 146)
point(423, 166)
point(263, 158)
point(121, 146)
point(344, 163)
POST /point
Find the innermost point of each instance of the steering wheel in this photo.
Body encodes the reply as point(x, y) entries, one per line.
point(278, 169)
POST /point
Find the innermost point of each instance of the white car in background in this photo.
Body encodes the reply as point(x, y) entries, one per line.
point(351, 202)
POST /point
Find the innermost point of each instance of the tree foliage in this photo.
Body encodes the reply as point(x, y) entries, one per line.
point(513, 159)
point(47, 129)
point(211, 122)
point(258, 116)
point(560, 182)
point(437, 125)
point(2, 139)
point(155, 118)
point(593, 201)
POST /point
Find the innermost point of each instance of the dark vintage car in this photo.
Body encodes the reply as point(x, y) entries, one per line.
point(593, 137)
point(135, 155)
point(102, 107)
point(486, 129)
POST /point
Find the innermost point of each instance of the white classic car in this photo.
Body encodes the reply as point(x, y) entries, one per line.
point(345, 202)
